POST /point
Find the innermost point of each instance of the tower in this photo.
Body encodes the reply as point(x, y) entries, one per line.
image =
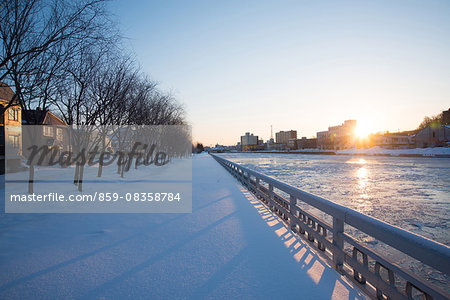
point(271, 141)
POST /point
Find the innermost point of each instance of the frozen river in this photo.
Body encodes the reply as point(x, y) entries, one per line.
point(412, 193)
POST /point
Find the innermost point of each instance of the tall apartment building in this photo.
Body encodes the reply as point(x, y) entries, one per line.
point(338, 137)
point(283, 137)
point(248, 141)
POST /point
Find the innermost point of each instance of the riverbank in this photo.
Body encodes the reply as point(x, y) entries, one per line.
point(438, 152)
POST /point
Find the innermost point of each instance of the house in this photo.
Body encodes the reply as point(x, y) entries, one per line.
point(433, 136)
point(51, 132)
point(41, 117)
point(10, 129)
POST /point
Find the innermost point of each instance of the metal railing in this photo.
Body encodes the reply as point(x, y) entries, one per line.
point(372, 272)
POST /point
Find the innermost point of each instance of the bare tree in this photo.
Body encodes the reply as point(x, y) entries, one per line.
point(431, 121)
point(38, 36)
point(150, 106)
point(65, 55)
point(40, 39)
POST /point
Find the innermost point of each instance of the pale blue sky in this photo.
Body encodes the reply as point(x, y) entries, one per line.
point(241, 66)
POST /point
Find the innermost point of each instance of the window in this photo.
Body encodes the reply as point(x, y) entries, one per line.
point(13, 114)
point(59, 135)
point(48, 131)
point(14, 141)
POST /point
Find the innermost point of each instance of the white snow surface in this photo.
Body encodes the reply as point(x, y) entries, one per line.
point(229, 247)
point(396, 152)
point(434, 151)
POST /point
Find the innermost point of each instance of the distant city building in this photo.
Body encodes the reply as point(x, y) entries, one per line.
point(433, 136)
point(292, 144)
point(446, 117)
point(276, 146)
point(283, 137)
point(394, 141)
point(324, 140)
point(305, 143)
point(248, 141)
point(338, 137)
point(221, 148)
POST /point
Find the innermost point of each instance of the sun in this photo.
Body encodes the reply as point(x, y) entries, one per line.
point(362, 130)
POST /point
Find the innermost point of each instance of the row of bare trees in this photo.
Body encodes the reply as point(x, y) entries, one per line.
point(67, 56)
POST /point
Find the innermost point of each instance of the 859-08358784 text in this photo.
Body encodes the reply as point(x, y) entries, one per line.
point(98, 196)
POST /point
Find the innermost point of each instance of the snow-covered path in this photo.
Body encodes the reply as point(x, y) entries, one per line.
point(229, 247)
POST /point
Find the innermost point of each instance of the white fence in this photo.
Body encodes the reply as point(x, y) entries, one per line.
point(372, 272)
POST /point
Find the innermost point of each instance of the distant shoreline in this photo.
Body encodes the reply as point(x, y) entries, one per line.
point(348, 154)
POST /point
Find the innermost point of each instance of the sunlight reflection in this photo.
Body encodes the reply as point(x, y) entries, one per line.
point(360, 161)
point(362, 176)
point(362, 173)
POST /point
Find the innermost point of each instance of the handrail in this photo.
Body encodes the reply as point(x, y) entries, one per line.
point(427, 251)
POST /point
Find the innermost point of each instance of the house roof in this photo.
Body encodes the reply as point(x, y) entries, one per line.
point(33, 117)
point(6, 93)
point(40, 117)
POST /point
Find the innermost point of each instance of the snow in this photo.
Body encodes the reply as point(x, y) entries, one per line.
point(230, 247)
point(175, 177)
point(397, 152)
point(435, 151)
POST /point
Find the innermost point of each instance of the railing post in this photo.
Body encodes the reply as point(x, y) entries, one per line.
point(270, 196)
point(292, 212)
point(258, 191)
point(338, 243)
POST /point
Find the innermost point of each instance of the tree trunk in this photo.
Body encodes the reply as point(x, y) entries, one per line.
point(80, 179)
point(31, 179)
point(100, 169)
point(100, 165)
point(75, 177)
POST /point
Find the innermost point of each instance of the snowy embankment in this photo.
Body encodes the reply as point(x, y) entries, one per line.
point(230, 247)
point(437, 151)
point(376, 151)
